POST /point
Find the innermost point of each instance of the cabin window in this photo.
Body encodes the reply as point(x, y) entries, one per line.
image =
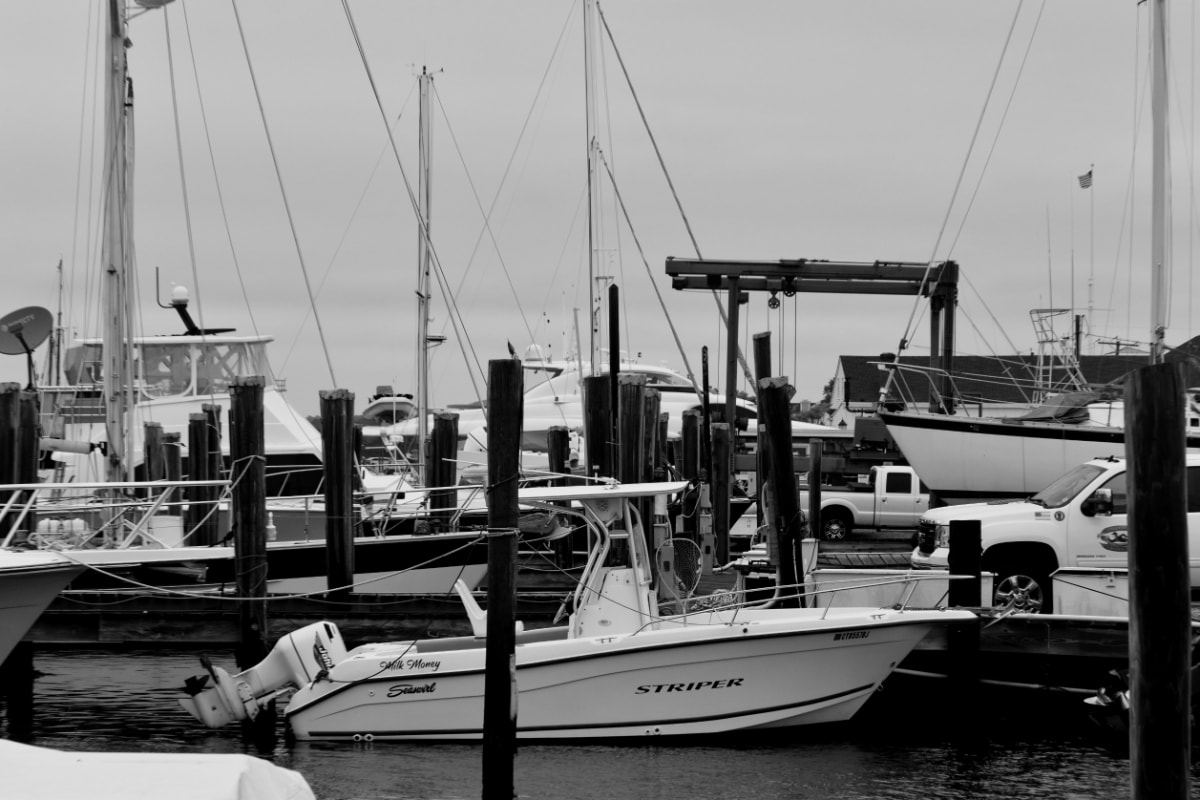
point(1193, 489)
point(166, 369)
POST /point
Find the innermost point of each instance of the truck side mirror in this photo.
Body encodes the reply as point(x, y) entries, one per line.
point(1098, 504)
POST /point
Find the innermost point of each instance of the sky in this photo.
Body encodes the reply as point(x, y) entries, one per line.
point(851, 131)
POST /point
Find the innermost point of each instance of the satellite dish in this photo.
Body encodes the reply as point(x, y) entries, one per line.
point(24, 329)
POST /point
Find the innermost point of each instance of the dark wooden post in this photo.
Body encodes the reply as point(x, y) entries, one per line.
point(200, 522)
point(558, 446)
point(500, 666)
point(652, 400)
point(774, 410)
point(153, 457)
point(722, 480)
point(247, 451)
point(337, 439)
point(762, 370)
point(212, 414)
point(816, 527)
point(662, 458)
point(172, 458)
point(1159, 586)
point(443, 469)
point(598, 425)
point(9, 438)
point(962, 640)
point(690, 471)
point(29, 439)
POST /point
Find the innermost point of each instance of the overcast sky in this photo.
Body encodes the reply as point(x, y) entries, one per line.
point(792, 129)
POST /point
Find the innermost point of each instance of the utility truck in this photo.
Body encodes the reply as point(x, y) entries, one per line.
point(1079, 520)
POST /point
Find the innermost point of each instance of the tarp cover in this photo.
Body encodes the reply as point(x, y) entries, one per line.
point(39, 773)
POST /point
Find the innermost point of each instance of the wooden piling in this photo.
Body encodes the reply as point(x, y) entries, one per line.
point(762, 369)
point(443, 469)
point(775, 395)
point(248, 506)
point(1159, 585)
point(558, 451)
point(172, 458)
point(690, 471)
point(153, 457)
point(962, 639)
point(500, 666)
point(9, 437)
point(597, 426)
point(722, 480)
point(816, 527)
point(337, 432)
point(200, 521)
point(29, 437)
point(247, 449)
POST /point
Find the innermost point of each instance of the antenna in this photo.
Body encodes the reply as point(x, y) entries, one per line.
point(23, 330)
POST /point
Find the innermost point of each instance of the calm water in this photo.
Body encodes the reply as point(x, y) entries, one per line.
point(96, 700)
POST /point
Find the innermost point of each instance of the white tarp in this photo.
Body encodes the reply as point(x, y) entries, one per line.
point(38, 773)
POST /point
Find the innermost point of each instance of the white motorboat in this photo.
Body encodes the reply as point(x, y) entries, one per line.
point(617, 668)
point(29, 582)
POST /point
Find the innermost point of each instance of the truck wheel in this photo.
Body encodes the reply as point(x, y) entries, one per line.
point(1023, 590)
point(835, 524)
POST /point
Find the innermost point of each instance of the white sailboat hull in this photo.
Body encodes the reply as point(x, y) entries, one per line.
point(971, 459)
point(775, 668)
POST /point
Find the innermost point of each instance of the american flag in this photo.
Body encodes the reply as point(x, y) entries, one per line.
point(1085, 180)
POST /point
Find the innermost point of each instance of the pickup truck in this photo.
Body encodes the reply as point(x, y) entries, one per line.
point(892, 497)
point(1078, 520)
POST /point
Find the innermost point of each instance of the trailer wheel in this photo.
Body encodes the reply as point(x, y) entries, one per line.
point(835, 524)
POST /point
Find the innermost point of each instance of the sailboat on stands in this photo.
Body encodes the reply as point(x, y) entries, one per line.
point(964, 459)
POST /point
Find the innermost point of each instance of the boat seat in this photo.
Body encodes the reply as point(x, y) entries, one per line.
point(476, 614)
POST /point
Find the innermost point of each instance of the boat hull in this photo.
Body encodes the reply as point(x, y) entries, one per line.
point(971, 459)
point(681, 680)
point(29, 582)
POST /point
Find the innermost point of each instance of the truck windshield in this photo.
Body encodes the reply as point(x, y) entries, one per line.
point(1063, 490)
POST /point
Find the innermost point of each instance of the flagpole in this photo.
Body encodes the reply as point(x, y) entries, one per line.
point(1091, 241)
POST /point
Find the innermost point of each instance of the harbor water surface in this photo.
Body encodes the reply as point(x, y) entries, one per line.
point(100, 700)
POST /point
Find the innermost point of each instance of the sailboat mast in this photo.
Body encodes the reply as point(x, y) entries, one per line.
point(1160, 201)
point(589, 12)
point(424, 259)
point(115, 247)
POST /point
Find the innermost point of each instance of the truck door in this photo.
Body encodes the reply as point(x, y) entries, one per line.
point(897, 500)
point(1100, 541)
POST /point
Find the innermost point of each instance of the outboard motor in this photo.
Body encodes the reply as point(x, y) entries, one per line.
point(218, 698)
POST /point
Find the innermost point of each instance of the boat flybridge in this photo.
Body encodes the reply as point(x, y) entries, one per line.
point(175, 376)
point(619, 667)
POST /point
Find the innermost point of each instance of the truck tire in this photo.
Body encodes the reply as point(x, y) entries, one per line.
point(1023, 585)
point(835, 524)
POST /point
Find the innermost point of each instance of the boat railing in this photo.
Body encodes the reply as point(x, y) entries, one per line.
point(724, 607)
point(108, 514)
point(914, 385)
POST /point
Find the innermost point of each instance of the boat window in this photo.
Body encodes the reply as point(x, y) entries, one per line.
point(84, 365)
point(1063, 490)
point(221, 362)
point(165, 369)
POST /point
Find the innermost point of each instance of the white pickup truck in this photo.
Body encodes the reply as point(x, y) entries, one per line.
point(1078, 520)
point(892, 497)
